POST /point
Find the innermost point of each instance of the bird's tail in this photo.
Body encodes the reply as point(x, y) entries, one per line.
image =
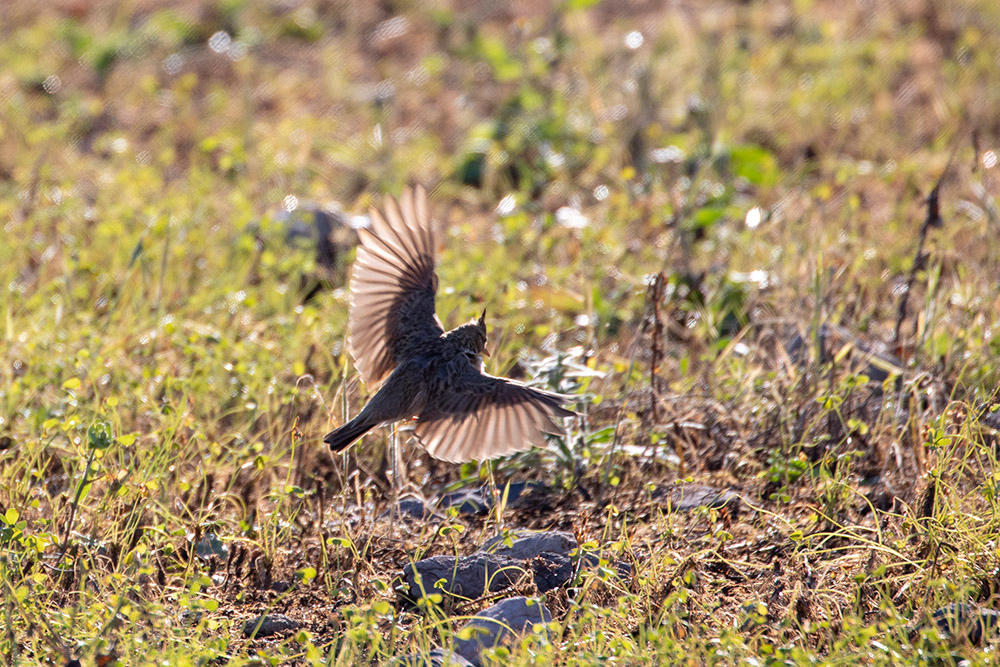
point(343, 437)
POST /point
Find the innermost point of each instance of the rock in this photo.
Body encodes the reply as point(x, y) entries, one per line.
point(190, 618)
point(551, 571)
point(547, 554)
point(964, 622)
point(326, 228)
point(468, 576)
point(520, 495)
point(528, 495)
point(438, 657)
point(467, 501)
point(282, 586)
point(492, 626)
point(500, 563)
point(210, 546)
point(267, 625)
point(686, 497)
point(525, 544)
point(412, 508)
point(623, 569)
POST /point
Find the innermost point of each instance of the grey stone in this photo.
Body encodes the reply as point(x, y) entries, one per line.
point(991, 417)
point(527, 544)
point(623, 569)
point(551, 571)
point(548, 555)
point(189, 617)
point(527, 495)
point(412, 508)
point(960, 621)
point(478, 501)
point(267, 625)
point(467, 576)
point(326, 228)
point(686, 497)
point(467, 501)
point(210, 545)
point(492, 626)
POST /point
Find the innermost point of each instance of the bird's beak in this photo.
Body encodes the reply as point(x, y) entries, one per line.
point(486, 351)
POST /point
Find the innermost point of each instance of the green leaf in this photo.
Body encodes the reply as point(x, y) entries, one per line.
point(754, 163)
point(705, 218)
point(606, 434)
point(99, 435)
point(344, 542)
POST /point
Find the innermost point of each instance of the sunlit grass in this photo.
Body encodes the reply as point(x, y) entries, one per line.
point(164, 382)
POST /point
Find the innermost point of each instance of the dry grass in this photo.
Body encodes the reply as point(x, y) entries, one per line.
point(670, 217)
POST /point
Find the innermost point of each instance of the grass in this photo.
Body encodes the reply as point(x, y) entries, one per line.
point(651, 202)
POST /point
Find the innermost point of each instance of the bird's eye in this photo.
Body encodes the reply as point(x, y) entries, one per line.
point(471, 356)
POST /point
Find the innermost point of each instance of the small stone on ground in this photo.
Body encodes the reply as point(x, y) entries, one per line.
point(269, 624)
point(492, 626)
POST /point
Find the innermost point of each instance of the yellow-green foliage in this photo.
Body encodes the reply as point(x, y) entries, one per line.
point(164, 384)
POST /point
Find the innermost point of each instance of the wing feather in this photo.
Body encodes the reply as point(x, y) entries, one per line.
point(393, 286)
point(484, 416)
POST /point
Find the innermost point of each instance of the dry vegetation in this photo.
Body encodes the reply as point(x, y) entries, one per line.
point(710, 220)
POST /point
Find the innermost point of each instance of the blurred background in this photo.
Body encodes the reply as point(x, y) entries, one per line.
point(756, 238)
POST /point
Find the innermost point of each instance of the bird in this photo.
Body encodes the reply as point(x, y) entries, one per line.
point(423, 373)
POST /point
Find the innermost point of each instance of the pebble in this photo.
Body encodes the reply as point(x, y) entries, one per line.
point(494, 625)
point(466, 576)
point(964, 622)
point(270, 624)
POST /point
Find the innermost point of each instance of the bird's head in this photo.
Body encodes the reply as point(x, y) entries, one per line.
point(470, 338)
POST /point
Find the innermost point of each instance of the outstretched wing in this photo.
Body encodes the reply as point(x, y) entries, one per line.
point(392, 287)
point(487, 416)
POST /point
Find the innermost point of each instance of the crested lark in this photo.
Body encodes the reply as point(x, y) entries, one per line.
point(430, 375)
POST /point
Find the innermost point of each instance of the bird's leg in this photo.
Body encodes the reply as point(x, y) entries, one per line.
point(344, 412)
point(495, 496)
point(394, 463)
